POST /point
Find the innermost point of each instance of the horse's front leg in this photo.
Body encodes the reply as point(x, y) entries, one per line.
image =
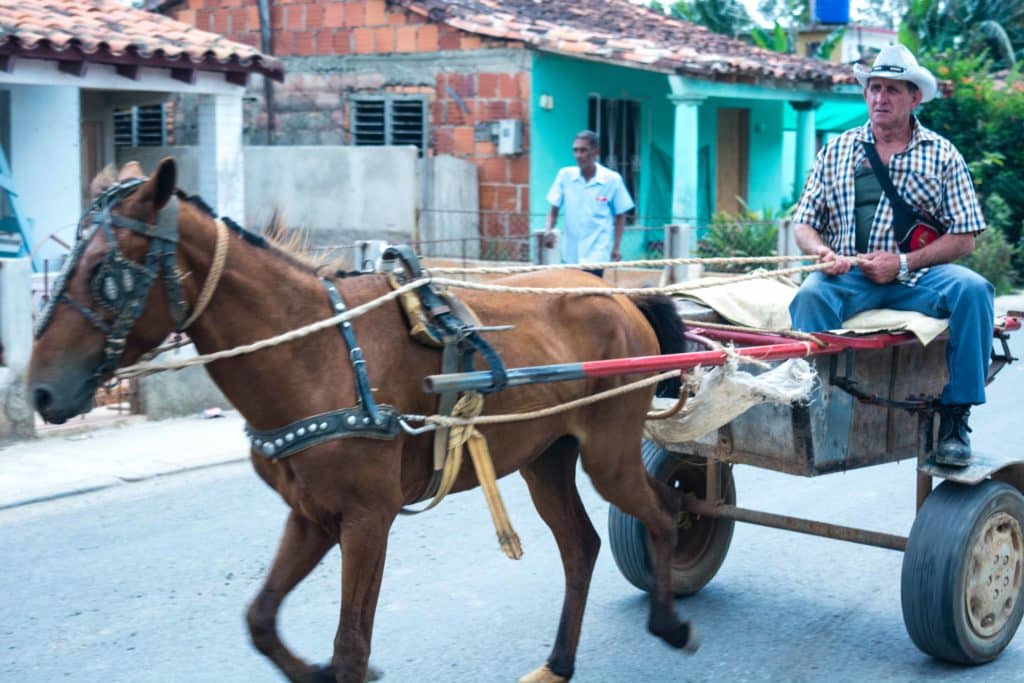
point(364, 539)
point(302, 546)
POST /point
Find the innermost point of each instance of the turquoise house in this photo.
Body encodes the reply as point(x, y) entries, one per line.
point(696, 122)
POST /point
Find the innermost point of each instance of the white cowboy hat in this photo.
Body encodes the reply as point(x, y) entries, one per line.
point(896, 62)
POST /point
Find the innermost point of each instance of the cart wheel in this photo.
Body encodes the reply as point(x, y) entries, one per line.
point(963, 571)
point(703, 541)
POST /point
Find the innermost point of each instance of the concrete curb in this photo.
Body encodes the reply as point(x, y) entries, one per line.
point(75, 461)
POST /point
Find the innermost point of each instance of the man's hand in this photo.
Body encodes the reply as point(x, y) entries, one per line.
point(550, 239)
point(840, 264)
point(616, 256)
point(881, 267)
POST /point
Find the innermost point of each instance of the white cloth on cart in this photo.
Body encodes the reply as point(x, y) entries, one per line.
point(727, 392)
point(764, 304)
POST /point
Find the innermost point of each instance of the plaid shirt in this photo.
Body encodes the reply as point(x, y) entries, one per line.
point(930, 174)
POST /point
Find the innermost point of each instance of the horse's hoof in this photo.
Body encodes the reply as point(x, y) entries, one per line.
point(543, 674)
point(693, 642)
point(322, 674)
point(681, 635)
point(325, 674)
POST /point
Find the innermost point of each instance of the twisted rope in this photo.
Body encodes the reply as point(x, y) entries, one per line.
point(443, 421)
point(220, 255)
point(150, 368)
point(631, 291)
point(714, 260)
point(141, 369)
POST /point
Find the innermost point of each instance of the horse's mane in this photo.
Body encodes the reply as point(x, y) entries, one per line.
point(290, 244)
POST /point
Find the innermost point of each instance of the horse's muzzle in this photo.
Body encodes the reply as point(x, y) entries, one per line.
point(57, 407)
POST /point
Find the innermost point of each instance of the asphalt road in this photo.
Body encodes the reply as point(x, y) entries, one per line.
point(149, 582)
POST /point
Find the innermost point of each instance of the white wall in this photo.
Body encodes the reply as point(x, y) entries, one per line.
point(46, 160)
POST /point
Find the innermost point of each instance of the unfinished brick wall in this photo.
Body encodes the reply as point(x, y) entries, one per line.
point(312, 107)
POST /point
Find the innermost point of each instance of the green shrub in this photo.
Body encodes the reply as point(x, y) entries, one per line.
point(992, 259)
point(750, 234)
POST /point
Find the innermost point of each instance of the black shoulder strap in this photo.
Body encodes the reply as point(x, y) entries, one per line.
point(882, 173)
point(903, 214)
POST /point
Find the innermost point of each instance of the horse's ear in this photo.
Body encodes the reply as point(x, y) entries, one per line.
point(103, 180)
point(164, 181)
point(130, 170)
point(161, 185)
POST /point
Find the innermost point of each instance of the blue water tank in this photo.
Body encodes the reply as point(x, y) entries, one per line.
point(833, 11)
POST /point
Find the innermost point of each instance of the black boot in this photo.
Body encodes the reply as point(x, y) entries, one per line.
point(954, 448)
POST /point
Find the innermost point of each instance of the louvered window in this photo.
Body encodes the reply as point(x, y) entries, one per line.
point(389, 121)
point(140, 126)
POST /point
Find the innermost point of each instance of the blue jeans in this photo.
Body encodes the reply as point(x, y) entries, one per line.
point(823, 302)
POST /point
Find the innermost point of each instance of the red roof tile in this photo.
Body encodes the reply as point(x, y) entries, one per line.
point(103, 31)
point(629, 34)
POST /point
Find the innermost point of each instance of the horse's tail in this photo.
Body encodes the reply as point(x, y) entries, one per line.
point(663, 317)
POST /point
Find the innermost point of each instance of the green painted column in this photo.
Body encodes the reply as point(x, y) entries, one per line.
point(685, 161)
point(806, 144)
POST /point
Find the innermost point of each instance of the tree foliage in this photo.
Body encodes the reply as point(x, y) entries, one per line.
point(993, 27)
point(728, 17)
point(983, 117)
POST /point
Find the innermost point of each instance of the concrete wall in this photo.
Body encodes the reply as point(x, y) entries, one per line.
point(449, 218)
point(341, 194)
point(182, 392)
point(46, 160)
point(16, 416)
point(337, 193)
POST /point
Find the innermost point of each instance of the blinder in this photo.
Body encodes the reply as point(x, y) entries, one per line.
point(120, 286)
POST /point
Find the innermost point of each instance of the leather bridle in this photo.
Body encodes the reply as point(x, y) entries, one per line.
point(119, 286)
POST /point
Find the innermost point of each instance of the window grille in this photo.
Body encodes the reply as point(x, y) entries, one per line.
point(140, 126)
point(389, 121)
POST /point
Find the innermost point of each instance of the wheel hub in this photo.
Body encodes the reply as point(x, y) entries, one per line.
point(994, 575)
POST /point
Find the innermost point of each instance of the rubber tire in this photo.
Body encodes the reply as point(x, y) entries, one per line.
point(933, 577)
point(629, 540)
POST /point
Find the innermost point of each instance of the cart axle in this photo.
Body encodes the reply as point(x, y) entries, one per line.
point(804, 526)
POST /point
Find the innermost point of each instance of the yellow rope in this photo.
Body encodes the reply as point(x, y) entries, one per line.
point(470, 406)
point(220, 255)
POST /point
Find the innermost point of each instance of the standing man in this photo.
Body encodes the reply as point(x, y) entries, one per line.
point(595, 201)
point(844, 212)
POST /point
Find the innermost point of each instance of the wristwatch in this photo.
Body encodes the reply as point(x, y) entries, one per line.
point(904, 268)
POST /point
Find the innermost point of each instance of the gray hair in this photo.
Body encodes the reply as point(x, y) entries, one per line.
point(590, 136)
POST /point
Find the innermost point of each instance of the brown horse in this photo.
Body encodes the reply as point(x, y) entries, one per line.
point(349, 491)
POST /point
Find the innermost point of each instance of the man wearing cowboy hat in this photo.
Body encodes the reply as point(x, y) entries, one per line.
point(844, 212)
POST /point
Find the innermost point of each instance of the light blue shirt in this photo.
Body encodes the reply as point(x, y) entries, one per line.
point(590, 208)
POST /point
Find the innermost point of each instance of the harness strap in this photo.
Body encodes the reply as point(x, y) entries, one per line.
point(355, 354)
point(280, 443)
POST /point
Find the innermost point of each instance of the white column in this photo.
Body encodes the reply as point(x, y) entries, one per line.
point(46, 162)
point(805, 143)
point(685, 176)
point(221, 169)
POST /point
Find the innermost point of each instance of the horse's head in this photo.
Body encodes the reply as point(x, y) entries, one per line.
point(106, 307)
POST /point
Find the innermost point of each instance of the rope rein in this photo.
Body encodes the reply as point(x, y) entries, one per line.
point(142, 369)
point(434, 421)
point(611, 265)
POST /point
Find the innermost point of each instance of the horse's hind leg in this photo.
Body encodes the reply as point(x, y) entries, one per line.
point(302, 546)
point(619, 476)
point(552, 482)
